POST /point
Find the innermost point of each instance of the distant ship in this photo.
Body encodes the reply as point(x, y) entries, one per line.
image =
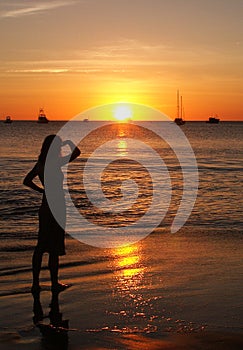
point(8, 120)
point(179, 120)
point(85, 120)
point(42, 117)
point(213, 120)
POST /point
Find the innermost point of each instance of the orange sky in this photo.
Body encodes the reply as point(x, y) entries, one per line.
point(67, 56)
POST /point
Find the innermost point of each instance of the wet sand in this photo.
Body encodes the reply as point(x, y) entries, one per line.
point(186, 296)
point(31, 339)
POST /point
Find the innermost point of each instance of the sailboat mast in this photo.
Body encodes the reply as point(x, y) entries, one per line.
point(181, 116)
point(178, 104)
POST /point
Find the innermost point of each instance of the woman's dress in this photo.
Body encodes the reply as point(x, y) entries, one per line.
point(51, 233)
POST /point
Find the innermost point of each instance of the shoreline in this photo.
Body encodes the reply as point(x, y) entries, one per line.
point(19, 330)
point(30, 338)
point(172, 293)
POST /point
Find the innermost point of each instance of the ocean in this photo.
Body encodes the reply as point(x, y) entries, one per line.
point(181, 282)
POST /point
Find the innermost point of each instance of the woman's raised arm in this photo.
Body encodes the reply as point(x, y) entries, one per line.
point(75, 152)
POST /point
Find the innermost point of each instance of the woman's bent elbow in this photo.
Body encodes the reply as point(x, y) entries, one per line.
point(26, 183)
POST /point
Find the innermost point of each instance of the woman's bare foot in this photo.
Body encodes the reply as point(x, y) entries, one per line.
point(59, 287)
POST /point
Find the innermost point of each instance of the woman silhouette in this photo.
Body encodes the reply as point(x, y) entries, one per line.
point(51, 234)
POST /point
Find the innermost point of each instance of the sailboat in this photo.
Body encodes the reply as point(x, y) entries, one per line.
point(8, 120)
point(213, 119)
point(179, 119)
point(42, 117)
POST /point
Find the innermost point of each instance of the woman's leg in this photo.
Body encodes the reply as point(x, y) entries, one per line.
point(36, 267)
point(53, 267)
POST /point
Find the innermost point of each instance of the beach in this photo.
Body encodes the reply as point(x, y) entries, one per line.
point(130, 296)
point(167, 291)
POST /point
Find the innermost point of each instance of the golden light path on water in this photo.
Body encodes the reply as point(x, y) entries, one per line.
point(122, 148)
point(133, 307)
point(128, 257)
point(129, 270)
point(141, 303)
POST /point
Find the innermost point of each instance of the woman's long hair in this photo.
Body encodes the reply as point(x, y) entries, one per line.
point(46, 145)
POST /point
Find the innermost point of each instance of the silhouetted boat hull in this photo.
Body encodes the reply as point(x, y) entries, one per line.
point(213, 120)
point(8, 120)
point(179, 121)
point(42, 119)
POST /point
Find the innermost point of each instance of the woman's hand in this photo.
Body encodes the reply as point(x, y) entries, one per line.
point(75, 152)
point(69, 143)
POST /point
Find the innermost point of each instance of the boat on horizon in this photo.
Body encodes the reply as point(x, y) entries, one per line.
point(179, 120)
point(8, 120)
point(42, 117)
point(213, 120)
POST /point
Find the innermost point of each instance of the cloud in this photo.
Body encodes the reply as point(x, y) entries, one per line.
point(125, 48)
point(33, 9)
point(45, 70)
point(127, 58)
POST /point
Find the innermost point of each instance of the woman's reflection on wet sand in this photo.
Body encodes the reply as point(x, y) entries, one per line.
point(54, 334)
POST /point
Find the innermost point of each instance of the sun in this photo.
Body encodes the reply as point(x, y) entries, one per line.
point(122, 113)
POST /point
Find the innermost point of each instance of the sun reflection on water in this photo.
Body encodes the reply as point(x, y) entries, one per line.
point(131, 305)
point(137, 306)
point(129, 269)
point(122, 148)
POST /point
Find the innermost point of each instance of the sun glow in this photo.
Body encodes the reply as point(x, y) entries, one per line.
point(130, 269)
point(123, 113)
